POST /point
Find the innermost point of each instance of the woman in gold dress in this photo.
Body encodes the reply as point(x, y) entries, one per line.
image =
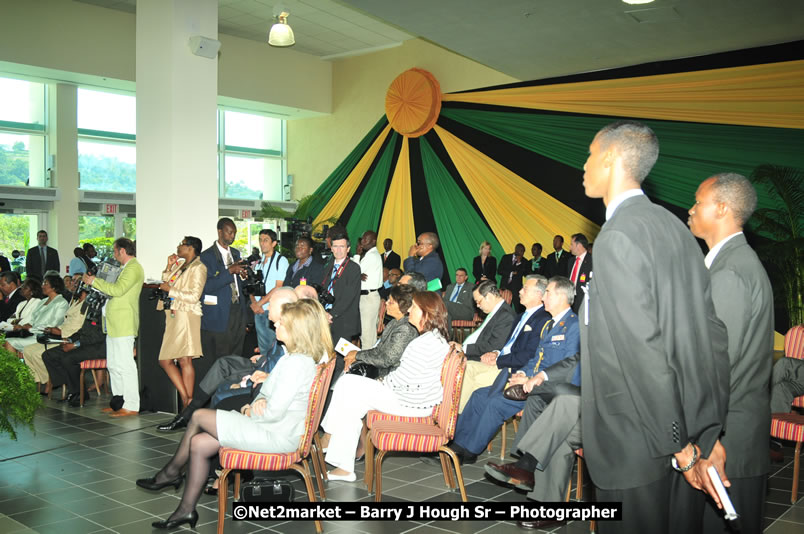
point(183, 281)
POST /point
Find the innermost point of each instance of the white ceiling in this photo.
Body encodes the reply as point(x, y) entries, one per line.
point(526, 39)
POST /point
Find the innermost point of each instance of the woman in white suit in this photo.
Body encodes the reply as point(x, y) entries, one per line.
point(50, 313)
point(274, 422)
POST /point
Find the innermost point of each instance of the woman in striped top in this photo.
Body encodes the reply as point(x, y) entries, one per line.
point(412, 389)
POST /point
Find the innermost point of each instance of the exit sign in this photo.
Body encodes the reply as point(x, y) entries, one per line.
point(110, 209)
point(245, 214)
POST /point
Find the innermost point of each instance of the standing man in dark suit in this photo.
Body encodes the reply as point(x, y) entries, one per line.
point(556, 263)
point(11, 295)
point(743, 300)
point(390, 259)
point(511, 270)
point(423, 258)
point(5, 265)
point(342, 281)
point(42, 258)
point(223, 323)
point(307, 269)
point(655, 377)
point(458, 297)
point(580, 269)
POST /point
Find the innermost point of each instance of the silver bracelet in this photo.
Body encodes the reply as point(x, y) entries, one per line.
point(689, 466)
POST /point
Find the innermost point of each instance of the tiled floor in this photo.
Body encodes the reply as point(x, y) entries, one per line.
point(76, 475)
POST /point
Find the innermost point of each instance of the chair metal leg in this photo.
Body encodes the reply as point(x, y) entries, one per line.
point(81, 386)
point(319, 469)
point(457, 465)
point(378, 475)
point(368, 478)
point(236, 489)
point(796, 466)
point(447, 472)
point(223, 494)
point(308, 483)
point(579, 486)
point(504, 439)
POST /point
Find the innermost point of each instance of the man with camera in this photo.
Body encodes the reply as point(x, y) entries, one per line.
point(223, 325)
point(121, 322)
point(341, 290)
point(271, 271)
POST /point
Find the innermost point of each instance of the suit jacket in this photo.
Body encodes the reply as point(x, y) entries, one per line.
point(562, 341)
point(215, 317)
point(5, 265)
point(553, 267)
point(537, 265)
point(464, 301)
point(393, 261)
point(489, 269)
point(526, 343)
point(429, 266)
point(7, 309)
point(494, 334)
point(33, 262)
point(313, 273)
point(187, 289)
point(584, 276)
point(345, 310)
point(657, 377)
point(123, 309)
point(507, 268)
point(743, 300)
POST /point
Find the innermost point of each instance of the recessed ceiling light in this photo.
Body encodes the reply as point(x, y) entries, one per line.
point(636, 2)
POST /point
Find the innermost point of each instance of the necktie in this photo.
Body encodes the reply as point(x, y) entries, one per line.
point(335, 268)
point(574, 275)
point(507, 348)
point(233, 285)
point(43, 254)
point(455, 292)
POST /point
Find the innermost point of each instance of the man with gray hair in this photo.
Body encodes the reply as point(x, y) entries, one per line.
point(654, 364)
point(422, 258)
point(552, 364)
point(493, 332)
point(743, 300)
point(415, 280)
point(231, 369)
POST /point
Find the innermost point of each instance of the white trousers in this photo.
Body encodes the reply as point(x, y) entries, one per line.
point(123, 371)
point(352, 398)
point(369, 315)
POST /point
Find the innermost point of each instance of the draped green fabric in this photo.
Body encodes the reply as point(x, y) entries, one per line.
point(336, 179)
point(366, 215)
point(460, 228)
point(689, 152)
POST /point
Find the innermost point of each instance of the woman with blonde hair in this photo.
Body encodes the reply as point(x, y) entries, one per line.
point(273, 423)
point(484, 266)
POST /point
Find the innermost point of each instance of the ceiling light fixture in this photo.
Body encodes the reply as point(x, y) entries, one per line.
point(636, 2)
point(281, 35)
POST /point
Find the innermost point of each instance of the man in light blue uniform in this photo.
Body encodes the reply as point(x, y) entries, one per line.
point(272, 268)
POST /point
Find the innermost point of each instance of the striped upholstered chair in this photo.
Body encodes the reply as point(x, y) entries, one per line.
point(92, 365)
point(233, 459)
point(790, 426)
point(388, 433)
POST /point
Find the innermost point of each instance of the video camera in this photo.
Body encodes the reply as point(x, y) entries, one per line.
point(95, 299)
point(253, 284)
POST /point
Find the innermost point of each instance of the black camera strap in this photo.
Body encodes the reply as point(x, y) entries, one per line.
point(267, 271)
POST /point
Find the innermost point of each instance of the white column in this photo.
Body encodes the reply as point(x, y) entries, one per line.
point(177, 187)
point(62, 225)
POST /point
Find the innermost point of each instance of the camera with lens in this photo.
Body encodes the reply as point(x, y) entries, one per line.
point(324, 296)
point(95, 299)
point(162, 296)
point(252, 283)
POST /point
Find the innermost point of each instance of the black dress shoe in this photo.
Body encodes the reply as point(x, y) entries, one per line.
point(511, 474)
point(177, 423)
point(74, 400)
point(153, 485)
point(170, 524)
point(540, 523)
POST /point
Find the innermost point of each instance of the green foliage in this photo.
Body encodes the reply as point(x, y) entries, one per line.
point(13, 234)
point(240, 190)
point(101, 173)
point(104, 246)
point(18, 396)
point(783, 223)
point(14, 169)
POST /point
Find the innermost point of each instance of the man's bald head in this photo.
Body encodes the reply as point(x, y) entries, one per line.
point(306, 292)
point(280, 296)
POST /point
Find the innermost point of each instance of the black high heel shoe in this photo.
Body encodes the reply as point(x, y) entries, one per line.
point(170, 524)
point(153, 485)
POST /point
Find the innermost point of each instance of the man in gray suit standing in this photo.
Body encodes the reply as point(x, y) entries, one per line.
point(655, 377)
point(458, 297)
point(743, 300)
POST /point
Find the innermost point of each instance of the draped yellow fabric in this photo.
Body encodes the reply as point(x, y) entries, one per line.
point(516, 211)
point(756, 95)
point(341, 198)
point(397, 217)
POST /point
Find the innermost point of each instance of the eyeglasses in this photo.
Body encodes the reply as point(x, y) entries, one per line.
point(183, 244)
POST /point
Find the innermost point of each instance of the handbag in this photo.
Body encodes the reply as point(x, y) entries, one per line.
point(264, 490)
point(364, 369)
point(515, 393)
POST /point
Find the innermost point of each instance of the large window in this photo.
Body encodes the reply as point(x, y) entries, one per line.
point(252, 155)
point(22, 133)
point(107, 153)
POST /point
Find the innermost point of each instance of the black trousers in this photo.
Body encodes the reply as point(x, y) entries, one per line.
point(748, 497)
point(217, 344)
point(65, 367)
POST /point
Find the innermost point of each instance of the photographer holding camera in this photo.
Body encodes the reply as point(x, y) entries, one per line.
point(272, 268)
point(121, 323)
point(180, 297)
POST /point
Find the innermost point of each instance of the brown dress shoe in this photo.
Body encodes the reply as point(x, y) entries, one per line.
point(122, 412)
point(107, 410)
point(539, 523)
point(511, 474)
